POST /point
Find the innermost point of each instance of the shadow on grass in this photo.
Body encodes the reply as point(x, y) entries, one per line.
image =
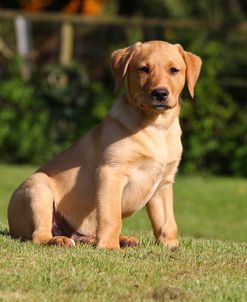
point(170, 293)
point(4, 232)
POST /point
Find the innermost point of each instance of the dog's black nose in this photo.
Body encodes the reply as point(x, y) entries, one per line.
point(160, 94)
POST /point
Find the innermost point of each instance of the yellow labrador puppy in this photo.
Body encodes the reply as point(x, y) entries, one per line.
point(127, 162)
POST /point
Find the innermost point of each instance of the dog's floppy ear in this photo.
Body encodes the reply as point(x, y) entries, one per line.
point(120, 60)
point(193, 67)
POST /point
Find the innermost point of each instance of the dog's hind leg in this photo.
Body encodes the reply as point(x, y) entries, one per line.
point(30, 212)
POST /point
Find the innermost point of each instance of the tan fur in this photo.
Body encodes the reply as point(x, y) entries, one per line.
point(127, 162)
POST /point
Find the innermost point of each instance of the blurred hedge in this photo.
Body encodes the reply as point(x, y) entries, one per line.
point(41, 117)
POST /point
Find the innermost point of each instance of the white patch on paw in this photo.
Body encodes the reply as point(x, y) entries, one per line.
point(72, 241)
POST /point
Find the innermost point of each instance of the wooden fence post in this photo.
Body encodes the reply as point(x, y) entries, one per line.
point(67, 43)
point(24, 44)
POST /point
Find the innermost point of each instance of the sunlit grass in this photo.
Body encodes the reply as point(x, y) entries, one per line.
point(203, 269)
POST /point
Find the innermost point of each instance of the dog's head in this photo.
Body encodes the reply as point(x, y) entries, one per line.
point(155, 73)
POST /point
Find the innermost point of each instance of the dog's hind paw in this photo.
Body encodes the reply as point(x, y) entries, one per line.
point(62, 241)
point(126, 241)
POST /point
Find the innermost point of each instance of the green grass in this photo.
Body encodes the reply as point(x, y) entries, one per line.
point(210, 265)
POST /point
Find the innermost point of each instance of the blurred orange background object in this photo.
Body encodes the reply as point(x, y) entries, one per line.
point(86, 7)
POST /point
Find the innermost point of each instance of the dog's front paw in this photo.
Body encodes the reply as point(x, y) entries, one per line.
point(125, 241)
point(108, 246)
point(62, 241)
point(169, 236)
point(172, 244)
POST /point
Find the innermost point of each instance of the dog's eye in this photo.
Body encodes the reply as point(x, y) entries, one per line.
point(174, 70)
point(144, 69)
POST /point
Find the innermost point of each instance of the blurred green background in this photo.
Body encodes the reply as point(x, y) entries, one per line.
point(45, 112)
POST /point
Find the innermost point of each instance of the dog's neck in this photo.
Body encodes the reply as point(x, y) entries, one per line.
point(137, 119)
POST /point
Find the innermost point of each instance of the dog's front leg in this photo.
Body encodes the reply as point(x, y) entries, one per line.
point(160, 211)
point(110, 185)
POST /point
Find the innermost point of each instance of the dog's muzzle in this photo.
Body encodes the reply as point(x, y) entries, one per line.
point(160, 95)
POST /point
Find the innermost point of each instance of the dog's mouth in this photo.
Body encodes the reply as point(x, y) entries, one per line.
point(160, 107)
point(155, 106)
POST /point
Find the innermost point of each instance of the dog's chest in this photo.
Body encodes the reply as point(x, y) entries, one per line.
point(143, 181)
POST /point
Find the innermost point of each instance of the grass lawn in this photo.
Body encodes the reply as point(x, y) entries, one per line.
point(210, 265)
